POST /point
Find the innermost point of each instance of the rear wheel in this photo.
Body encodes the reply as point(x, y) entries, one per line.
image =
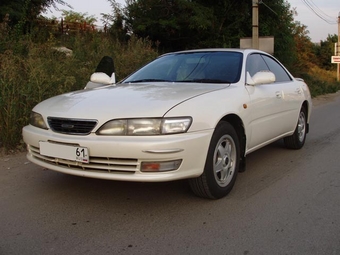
point(221, 165)
point(297, 140)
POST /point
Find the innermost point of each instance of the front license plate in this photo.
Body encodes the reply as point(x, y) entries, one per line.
point(74, 153)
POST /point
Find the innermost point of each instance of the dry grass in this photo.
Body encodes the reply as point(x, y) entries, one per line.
point(31, 72)
point(325, 75)
point(321, 81)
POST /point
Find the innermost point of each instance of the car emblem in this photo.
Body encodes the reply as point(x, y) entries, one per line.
point(67, 126)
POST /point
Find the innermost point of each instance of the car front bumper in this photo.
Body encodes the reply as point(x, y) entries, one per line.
point(120, 157)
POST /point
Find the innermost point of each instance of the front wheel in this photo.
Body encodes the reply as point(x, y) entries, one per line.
point(297, 140)
point(221, 165)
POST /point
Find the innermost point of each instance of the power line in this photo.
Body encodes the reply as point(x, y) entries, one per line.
point(321, 12)
point(312, 6)
point(320, 15)
point(261, 2)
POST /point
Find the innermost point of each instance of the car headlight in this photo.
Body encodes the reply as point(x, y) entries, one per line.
point(158, 126)
point(37, 120)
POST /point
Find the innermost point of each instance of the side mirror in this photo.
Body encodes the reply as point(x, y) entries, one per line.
point(262, 77)
point(101, 78)
point(98, 80)
point(103, 75)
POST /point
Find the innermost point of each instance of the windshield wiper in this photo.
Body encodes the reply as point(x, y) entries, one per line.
point(147, 80)
point(205, 81)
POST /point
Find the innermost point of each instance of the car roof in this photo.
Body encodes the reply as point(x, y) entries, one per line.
point(245, 51)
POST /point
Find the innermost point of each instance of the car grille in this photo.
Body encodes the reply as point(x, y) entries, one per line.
point(96, 164)
point(71, 126)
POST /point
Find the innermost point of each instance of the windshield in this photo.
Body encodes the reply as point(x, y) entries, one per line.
point(203, 67)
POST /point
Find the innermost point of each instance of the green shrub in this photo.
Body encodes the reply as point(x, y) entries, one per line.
point(31, 72)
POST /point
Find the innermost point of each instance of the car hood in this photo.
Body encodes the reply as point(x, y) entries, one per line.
point(123, 100)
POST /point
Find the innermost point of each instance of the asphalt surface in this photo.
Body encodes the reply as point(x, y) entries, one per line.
point(287, 202)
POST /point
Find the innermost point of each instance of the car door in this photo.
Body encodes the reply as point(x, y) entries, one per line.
point(291, 96)
point(272, 105)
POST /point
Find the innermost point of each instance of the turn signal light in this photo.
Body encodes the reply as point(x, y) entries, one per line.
point(160, 166)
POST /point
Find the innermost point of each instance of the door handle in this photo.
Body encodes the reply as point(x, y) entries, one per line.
point(278, 94)
point(298, 91)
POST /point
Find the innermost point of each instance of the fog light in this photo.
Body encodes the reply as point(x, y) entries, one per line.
point(160, 166)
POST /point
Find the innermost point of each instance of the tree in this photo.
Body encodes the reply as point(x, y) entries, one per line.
point(183, 24)
point(72, 16)
point(26, 10)
point(177, 24)
point(325, 51)
point(276, 18)
point(305, 57)
point(118, 28)
point(230, 21)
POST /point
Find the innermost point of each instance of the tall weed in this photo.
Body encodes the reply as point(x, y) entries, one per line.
point(37, 71)
point(31, 70)
point(321, 81)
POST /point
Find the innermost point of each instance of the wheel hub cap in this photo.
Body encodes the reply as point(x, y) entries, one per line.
point(225, 156)
point(301, 127)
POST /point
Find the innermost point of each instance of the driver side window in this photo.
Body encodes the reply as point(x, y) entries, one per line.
point(255, 63)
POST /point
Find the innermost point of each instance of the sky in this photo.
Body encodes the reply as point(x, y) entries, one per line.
point(318, 28)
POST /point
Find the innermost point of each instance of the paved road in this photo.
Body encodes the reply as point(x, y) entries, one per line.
point(287, 202)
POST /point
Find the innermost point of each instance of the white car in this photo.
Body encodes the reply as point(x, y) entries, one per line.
point(186, 115)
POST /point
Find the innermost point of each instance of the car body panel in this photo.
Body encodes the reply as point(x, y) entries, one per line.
point(269, 105)
point(193, 149)
point(121, 101)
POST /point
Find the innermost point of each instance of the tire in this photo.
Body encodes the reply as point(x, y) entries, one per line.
point(297, 140)
point(221, 166)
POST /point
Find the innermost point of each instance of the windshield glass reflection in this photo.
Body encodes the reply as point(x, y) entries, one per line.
point(196, 67)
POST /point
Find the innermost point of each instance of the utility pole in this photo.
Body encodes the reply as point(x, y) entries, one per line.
point(338, 47)
point(255, 38)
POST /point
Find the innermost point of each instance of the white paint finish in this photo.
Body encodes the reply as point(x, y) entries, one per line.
point(268, 112)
